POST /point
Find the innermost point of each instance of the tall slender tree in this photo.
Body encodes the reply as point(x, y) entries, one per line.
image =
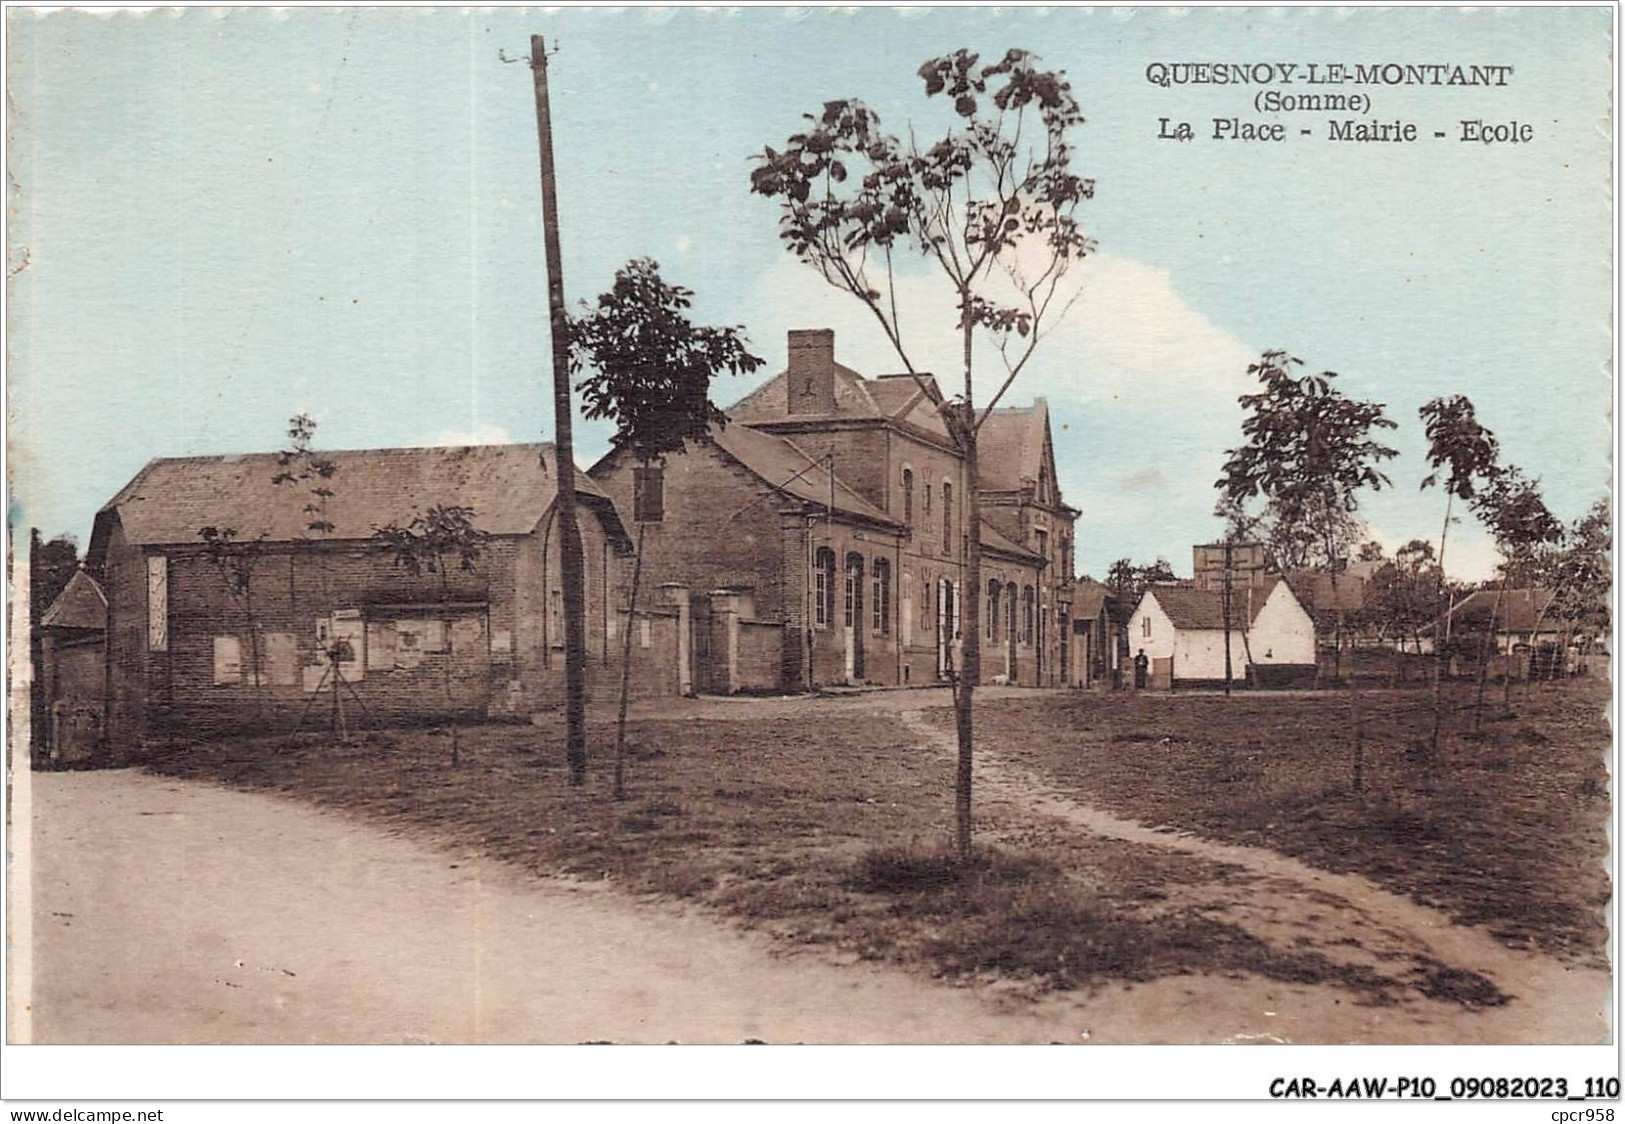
point(1464, 457)
point(1310, 450)
point(649, 369)
point(992, 205)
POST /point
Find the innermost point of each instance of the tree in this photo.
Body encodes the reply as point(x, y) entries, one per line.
point(1523, 526)
point(1581, 577)
point(1403, 596)
point(651, 371)
point(1309, 450)
point(1466, 455)
point(432, 542)
point(991, 205)
point(1128, 581)
point(234, 560)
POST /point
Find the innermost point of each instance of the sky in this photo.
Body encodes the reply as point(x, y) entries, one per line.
point(221, 219)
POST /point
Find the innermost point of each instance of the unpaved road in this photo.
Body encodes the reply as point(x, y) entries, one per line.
point(171, 911)
point(167, 911)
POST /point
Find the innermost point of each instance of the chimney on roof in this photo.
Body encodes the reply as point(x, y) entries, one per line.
point(810, 379)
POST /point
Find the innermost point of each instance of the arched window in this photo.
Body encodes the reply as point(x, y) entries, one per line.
point(908, 497)
point(1010, 611)
point(993, 588)
point(1027, 612)
point(823, 586)
point(882, 598)
point(925, 595)
point(947, 518)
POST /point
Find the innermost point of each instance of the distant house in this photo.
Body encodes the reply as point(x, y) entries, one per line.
point(1098, 634)
point(186, 654)
point(1181, 631)
point(72, 669)
point(1520, 614)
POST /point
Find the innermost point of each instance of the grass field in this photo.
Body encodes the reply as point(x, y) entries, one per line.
point(828, 832)
point(1506, 828)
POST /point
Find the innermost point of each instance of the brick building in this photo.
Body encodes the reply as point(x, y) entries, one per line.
point(831, 508)
point(190, 648)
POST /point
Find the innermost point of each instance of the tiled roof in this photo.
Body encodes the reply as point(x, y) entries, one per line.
point(1190, 608)
point(1314, 588)
point(1089, 597)
point(996, 540)
point(81, 604)
point(1519, 611)
point(781, 463)
point(510, 488)
point(1010, 446)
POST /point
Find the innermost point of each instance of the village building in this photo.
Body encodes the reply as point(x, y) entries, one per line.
point(836, 504)
point(249, 635)
point(1099, 636)
point(72, 670)
point(1182, 631)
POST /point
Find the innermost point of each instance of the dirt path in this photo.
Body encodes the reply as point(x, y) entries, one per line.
point(1552, 1002)
point(170, 911)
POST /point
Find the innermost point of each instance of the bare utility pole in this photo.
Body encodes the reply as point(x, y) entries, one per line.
point(571, 567)
point(1226, 601)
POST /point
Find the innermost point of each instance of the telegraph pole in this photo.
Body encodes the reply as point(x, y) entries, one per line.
point(571, 567)
point(1226, 600)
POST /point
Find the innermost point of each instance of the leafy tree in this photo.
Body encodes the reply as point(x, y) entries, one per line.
point(651, 371)
point(1464, 457)
point(433, 542)
point(235, 560)
point(991, 204)
point(1523, 527)
point(1128, 581)
point(1581, 577)
point(1309, 450)
point(1403, 594)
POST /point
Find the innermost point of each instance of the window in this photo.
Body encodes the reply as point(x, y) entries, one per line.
point(1145, 626)
point(925, 496)
point(228, 661)
point(1027, 614)
point(947, 518)
point(823, 586)
point(908, 497)
point(993, 588)
point(1066, 558)
point(157, 603)
point(925, 596)
point(882, 597)
point(649, 493)
point(1043, 543)
point(1010, 611)
point(555, 618)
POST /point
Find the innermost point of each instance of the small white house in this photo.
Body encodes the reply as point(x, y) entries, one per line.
point(1181, 632)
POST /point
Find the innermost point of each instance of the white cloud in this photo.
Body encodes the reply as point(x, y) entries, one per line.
point(479, 435)
point(683, 243)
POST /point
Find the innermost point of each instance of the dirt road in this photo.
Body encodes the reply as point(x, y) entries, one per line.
point(170, 912)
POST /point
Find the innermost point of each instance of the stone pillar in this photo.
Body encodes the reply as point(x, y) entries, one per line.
point(726, 606)
point(794, 579)
point(676, 595)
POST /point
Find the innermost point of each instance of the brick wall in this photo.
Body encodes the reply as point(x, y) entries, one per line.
point(721, 525)
point(478, 643)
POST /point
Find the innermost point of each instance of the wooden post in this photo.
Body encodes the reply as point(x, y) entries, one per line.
point(572, 569)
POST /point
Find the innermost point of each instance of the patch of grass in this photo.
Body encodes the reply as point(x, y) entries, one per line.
point(1506, 827)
